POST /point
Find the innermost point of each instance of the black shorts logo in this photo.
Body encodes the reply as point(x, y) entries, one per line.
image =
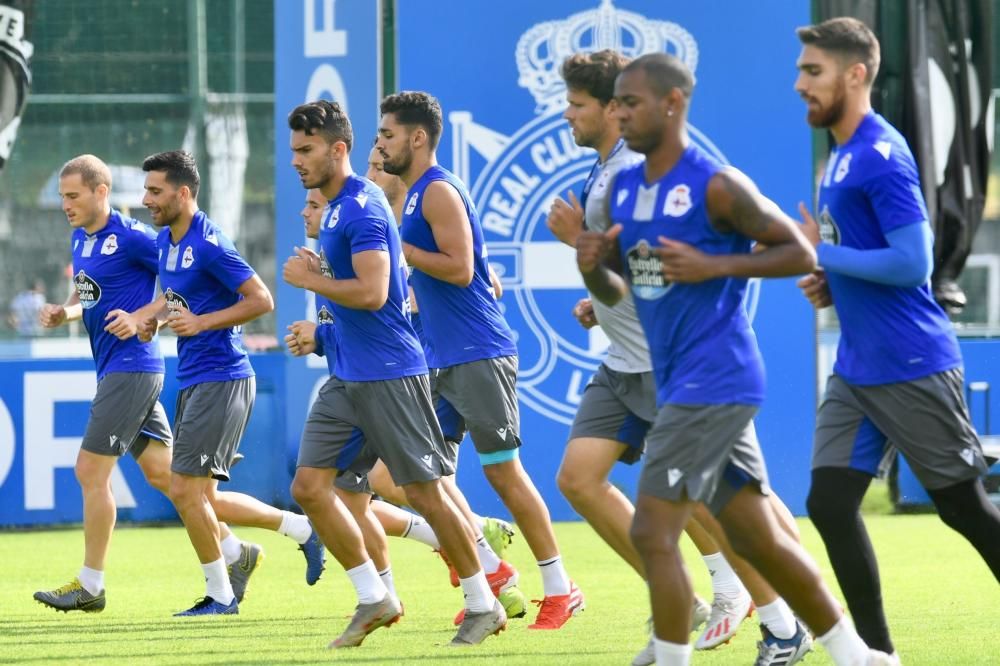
point(88, 290)
point(175, 301)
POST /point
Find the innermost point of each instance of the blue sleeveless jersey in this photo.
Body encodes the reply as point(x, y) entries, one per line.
point(371, 345)
point(461, 324)
point(700, 340)
point(202, 273)
point(115, 269)
point(888, 334)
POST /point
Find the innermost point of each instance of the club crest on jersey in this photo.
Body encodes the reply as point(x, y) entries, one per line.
point(678, 201)
point(333, 218)
point(829, 232)
point(188, 257)
point(324, 316)
point(843, 167)
point(646, 272)
point(411, 205)
point(88, 290)
point(175, 302)
point(514, 177)
point(110, 244)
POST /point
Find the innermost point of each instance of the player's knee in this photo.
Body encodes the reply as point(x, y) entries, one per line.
point(573, 485)
point(957, 504)
point(91, 474)
point(831, 502)
point(305, 490)
point(183, 492)
point(648, 536)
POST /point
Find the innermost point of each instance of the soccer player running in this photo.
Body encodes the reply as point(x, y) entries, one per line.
point(898, 375)
point(209, 292)
point(684, 224)
point(114, 266)
point(469, 346)
point(619, 404)
point(381, 364)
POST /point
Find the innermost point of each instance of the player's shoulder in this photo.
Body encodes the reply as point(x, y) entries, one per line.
point(209, 236)
point(628, 173)
point(361, 198)
point(880, 148)
point(138, 229)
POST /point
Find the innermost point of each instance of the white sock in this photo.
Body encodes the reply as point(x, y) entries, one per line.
point(390, 584)
point(478, 596)
point(92, 580)
point(778, 618)
point(844, 645)
point(487, 557)
point(231, 549)
point(367, 583)
point(555, 582)
point(217, 582)
point(420, 530)
point(296, 527)
point(724, 579)
point(671, 654)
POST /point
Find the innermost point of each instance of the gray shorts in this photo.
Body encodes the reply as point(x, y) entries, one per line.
point(397, 418)
point(331, 437)
point(126, 414)
point(703, 453)
point(619, 406)
point(926, 420)
point(484, 397)
point(209, 424)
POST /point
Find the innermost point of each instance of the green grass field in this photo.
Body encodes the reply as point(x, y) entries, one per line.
point(941, 600)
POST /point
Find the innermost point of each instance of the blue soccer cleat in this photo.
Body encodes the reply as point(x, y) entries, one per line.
point(209, 606)
point(774, 651)
point(315, 557)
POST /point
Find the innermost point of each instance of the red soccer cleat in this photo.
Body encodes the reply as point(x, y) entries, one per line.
point(556, 610)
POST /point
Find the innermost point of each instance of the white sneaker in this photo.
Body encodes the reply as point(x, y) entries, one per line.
point(879, 658)
point(700, 613)
point(727, 614)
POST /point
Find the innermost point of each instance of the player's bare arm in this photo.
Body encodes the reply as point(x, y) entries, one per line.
point(596, 257)
point(369, 290)
point(256, 301)
point(736, 205)
point(445, 213)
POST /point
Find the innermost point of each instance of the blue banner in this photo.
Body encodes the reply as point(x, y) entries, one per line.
point(44, 407)
point(323, 49)
point(495, 69)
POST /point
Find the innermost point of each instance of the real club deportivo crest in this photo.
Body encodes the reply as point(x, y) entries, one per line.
point(110, 244)
point(525, 171)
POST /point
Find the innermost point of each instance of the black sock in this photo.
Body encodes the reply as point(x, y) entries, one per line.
point(965, 508)
point(834, 506)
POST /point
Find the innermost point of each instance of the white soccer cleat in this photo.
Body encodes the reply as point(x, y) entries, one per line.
point(727, 614)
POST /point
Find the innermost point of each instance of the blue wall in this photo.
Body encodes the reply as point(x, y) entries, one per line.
point(44, 406)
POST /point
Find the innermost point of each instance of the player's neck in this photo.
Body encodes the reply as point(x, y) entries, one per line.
point(607, 144)
point(336, 181)
point(418, 167)
point(99, 223)
point(665, 156)
point(180, 226)
point(845, 128)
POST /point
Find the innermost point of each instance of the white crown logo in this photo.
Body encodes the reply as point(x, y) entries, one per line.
point(542, 49)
